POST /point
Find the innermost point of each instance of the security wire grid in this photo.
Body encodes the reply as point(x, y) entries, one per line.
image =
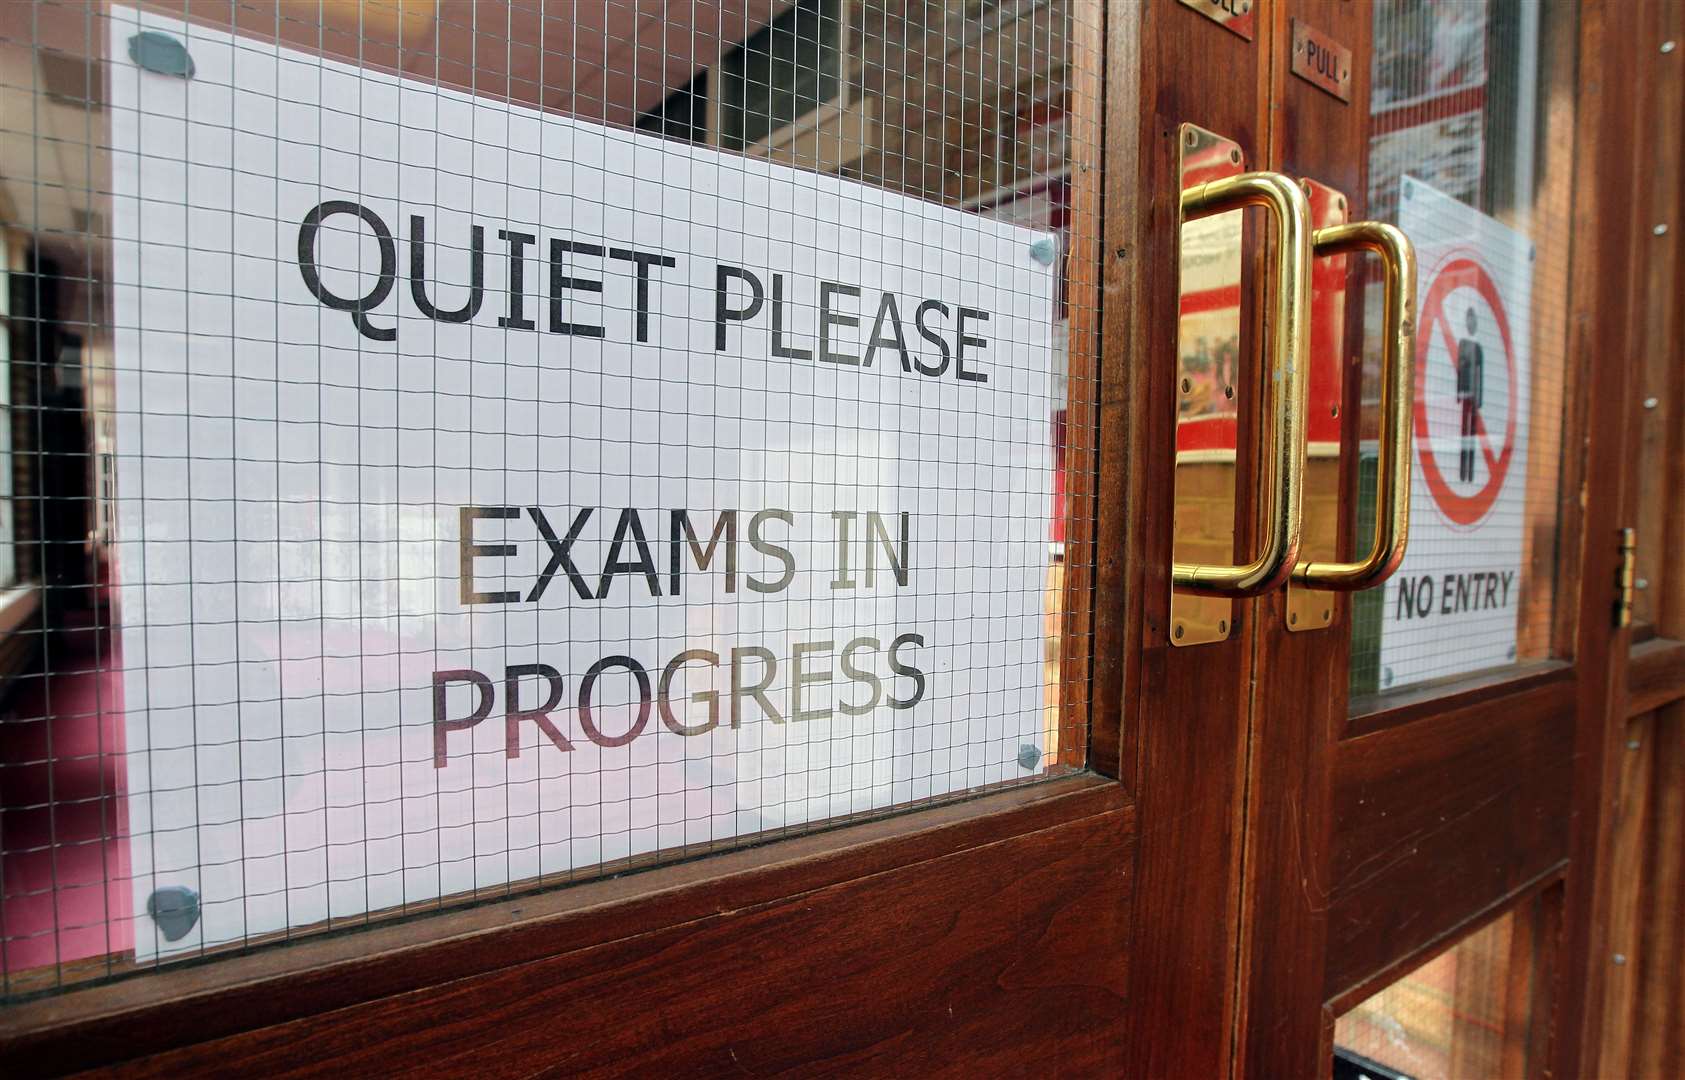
point(1453, 1016)
point(1471, 136)
point(143, 524)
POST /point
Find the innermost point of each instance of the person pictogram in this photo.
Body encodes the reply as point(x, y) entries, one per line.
point(1438, 342)
point(1471, 393)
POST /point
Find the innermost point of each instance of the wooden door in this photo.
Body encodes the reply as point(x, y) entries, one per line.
point(1206, 858)
point(988, 925)
point(1427, 777)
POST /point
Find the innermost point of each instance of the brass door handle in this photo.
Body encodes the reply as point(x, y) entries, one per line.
point(1289, 345)
point(1398, 367)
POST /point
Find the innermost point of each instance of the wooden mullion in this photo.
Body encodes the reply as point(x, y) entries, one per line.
point(1610, 160)
point(1630, 827)
point(1538, 888)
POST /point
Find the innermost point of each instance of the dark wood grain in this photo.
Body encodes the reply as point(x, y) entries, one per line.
point(1547, 884)
point(1660, 349)
point(193, 1004)
point(1640, 1033)
point(1377, 713)
point(1185, 736)
point(1655, 675)
point(928, 968)
point(1631, 827)
point(1438, 820)
point(1605, 309)
point(1298, 691)
point(1452, 801)
point(1120, 536)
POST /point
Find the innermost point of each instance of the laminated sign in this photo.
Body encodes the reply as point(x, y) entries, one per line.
point(502, 494)
point(1453, 606)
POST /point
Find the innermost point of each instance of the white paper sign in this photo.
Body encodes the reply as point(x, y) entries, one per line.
point(1453, 605)
point(502, 494)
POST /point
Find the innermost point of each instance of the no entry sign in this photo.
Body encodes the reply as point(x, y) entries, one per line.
point(1452, 607)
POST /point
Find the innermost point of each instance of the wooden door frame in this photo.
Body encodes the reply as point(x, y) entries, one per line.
point(1619, 949)
point(1641, 910)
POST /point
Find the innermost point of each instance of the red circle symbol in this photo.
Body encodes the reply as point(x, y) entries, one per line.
point(1458, 271)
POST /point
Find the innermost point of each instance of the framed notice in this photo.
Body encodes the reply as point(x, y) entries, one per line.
point(501, 495)
point(1453, 605)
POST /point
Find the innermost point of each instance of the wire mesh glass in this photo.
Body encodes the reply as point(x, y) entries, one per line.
point(1466, 1014)
point(457, 448)
point(1472, 115)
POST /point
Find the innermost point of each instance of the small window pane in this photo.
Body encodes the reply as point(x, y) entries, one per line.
point(1464, 1015)
point(1472, 115)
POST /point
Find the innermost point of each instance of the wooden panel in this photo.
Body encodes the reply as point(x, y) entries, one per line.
point(1655, 675)
point(1436, 820)
point(980, 907)
point(1645, 989)
point(927, 969)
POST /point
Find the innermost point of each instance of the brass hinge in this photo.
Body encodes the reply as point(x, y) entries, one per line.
point(1625, 576)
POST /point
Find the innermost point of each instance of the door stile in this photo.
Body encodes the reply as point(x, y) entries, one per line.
point(1298, 693)
point(1187, 752)
point(1086, 723)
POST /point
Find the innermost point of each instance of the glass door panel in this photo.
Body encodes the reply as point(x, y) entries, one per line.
point(473, 447)
point(1472, 114)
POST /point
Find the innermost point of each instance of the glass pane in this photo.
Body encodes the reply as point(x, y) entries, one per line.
point(1472, 115)
point(469, 447)
point(1464, 1015)
point(8, 522)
